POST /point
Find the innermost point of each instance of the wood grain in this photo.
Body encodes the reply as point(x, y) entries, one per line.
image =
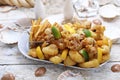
point(26, 72)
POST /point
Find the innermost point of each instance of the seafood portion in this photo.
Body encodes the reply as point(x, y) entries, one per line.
point(79, 43)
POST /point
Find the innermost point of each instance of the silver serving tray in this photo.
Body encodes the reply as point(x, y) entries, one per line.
point(23, 46)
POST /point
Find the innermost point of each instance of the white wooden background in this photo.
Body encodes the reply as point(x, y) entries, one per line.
point(11, 60)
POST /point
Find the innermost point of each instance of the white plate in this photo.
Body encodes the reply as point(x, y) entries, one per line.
point(23, 46)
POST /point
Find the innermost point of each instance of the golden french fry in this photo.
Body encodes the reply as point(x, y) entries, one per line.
point(56, 24)
point(45, 25)
point(34, 22)
point(31, 38)
point(40, 37)
point(35, 29)
point(38, 28)
point(38, 21)
point(38, 31)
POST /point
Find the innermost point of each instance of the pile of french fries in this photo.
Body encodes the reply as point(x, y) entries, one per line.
point(37, 29)
point(95, 48)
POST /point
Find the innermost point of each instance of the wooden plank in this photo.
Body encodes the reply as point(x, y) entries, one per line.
point(26, 72)
point(103, 73)
point(17, 14)
point(12, 15)
point(16, 60)
point(115, 52)
point(6, 21)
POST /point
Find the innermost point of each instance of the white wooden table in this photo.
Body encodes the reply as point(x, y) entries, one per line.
point(11, 60)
